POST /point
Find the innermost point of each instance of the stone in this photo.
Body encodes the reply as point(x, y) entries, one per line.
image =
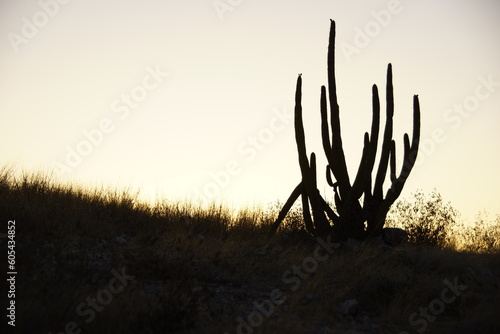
point(120, 240)
point(200, 238)
point(349, 307)
point(353, 244)
point(393, 236)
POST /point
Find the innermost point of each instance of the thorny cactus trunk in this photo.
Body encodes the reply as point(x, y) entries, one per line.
point(350, 215)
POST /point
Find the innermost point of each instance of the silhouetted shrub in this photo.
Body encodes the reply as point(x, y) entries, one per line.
point(293, 221)
point(483, 236)
point(427, 219)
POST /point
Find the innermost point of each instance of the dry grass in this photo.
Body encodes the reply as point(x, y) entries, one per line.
point(199, 270)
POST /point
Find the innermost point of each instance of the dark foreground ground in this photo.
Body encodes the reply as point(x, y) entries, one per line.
point(87, 263)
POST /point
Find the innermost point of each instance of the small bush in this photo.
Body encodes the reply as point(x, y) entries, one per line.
point(292, 222)
point(427, 219)
point(481, 237)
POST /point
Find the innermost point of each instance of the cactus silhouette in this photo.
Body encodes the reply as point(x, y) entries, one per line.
point(350, 215)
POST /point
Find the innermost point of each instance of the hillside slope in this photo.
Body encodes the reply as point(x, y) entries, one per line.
point(98, 262)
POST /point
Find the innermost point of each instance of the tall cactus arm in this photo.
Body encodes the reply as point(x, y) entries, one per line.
point(303, 161)
point(369, 151)
point(375, 224)
point(393, 161)
point(312, 170)
point(325, 132)
point(410, 155)
point(299, 133)
point(387, 141)
point(368, 195)
point(310, 193)
point(336, 151)
point(375, 128)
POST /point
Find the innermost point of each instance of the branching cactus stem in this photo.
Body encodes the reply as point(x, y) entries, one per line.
point(351, 218)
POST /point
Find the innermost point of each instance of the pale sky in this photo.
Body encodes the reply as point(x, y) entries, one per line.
point(194, 99)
